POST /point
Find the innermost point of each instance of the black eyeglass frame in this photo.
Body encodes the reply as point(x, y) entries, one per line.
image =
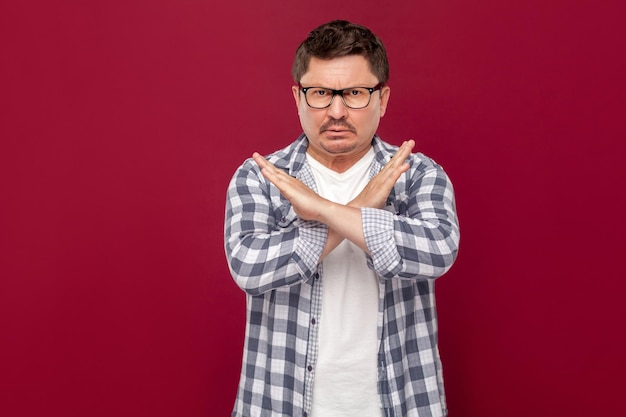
point(340, 93)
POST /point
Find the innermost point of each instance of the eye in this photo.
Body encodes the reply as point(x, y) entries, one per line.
point(318, 92)
point(353, 92)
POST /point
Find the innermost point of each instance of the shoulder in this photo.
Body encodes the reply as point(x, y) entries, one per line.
point(292, 157)
point(289, 158)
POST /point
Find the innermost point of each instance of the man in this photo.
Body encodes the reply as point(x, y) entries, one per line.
point(337, 240)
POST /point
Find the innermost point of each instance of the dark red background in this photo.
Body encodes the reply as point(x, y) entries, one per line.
point(122, 122)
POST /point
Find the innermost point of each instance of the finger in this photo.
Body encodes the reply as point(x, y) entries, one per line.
point(401, 155)
point(403, 151)
point(268, 169)
point(406, 148)
point(259, 159)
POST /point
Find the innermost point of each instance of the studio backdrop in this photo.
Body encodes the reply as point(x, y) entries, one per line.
point(122, 122)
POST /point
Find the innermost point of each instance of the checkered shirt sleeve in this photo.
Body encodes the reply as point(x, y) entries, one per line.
point(416, 236)
point(267, 245)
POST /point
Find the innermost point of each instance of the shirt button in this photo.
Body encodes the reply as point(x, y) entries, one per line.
point(310, 368)
point(317, 275)
point(313, 321)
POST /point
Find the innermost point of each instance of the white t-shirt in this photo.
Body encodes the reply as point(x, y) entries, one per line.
point(346, 373)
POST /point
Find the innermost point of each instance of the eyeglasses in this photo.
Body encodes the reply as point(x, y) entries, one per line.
point(353, 97)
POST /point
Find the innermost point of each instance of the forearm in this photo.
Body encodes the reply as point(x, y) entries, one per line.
point(332, 241)
point(267, 246)
point(260, 262)
point(344, 222)
point(410, 248)
point(418, 237)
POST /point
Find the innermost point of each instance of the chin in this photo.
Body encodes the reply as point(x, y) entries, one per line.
point(340, 148)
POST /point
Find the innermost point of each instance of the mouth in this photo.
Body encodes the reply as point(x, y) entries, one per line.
point(337, 129)
point(336, 133)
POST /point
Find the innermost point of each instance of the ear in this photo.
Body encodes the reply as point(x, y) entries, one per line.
point(296, 95)
point(385, 92)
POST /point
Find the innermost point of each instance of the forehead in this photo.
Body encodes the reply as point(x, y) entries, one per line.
point(345, 71)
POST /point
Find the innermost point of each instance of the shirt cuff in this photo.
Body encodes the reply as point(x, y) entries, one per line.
point(378, 231)
point(312, 237)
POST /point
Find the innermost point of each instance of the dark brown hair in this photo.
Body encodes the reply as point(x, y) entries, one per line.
point(341, 38)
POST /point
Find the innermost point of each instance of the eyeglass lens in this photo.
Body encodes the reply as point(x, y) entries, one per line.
point(355, 98)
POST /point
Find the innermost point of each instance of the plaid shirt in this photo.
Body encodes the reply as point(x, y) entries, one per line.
point(274, 257)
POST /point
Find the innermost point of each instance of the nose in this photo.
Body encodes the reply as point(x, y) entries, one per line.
point(337, 109)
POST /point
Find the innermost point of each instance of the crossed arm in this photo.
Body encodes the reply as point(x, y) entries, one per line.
point(418, 241)
point(343, 221)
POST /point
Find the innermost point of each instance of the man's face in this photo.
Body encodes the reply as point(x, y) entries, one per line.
point(339, 136)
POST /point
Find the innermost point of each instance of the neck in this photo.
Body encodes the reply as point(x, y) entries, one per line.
point(339, 163)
